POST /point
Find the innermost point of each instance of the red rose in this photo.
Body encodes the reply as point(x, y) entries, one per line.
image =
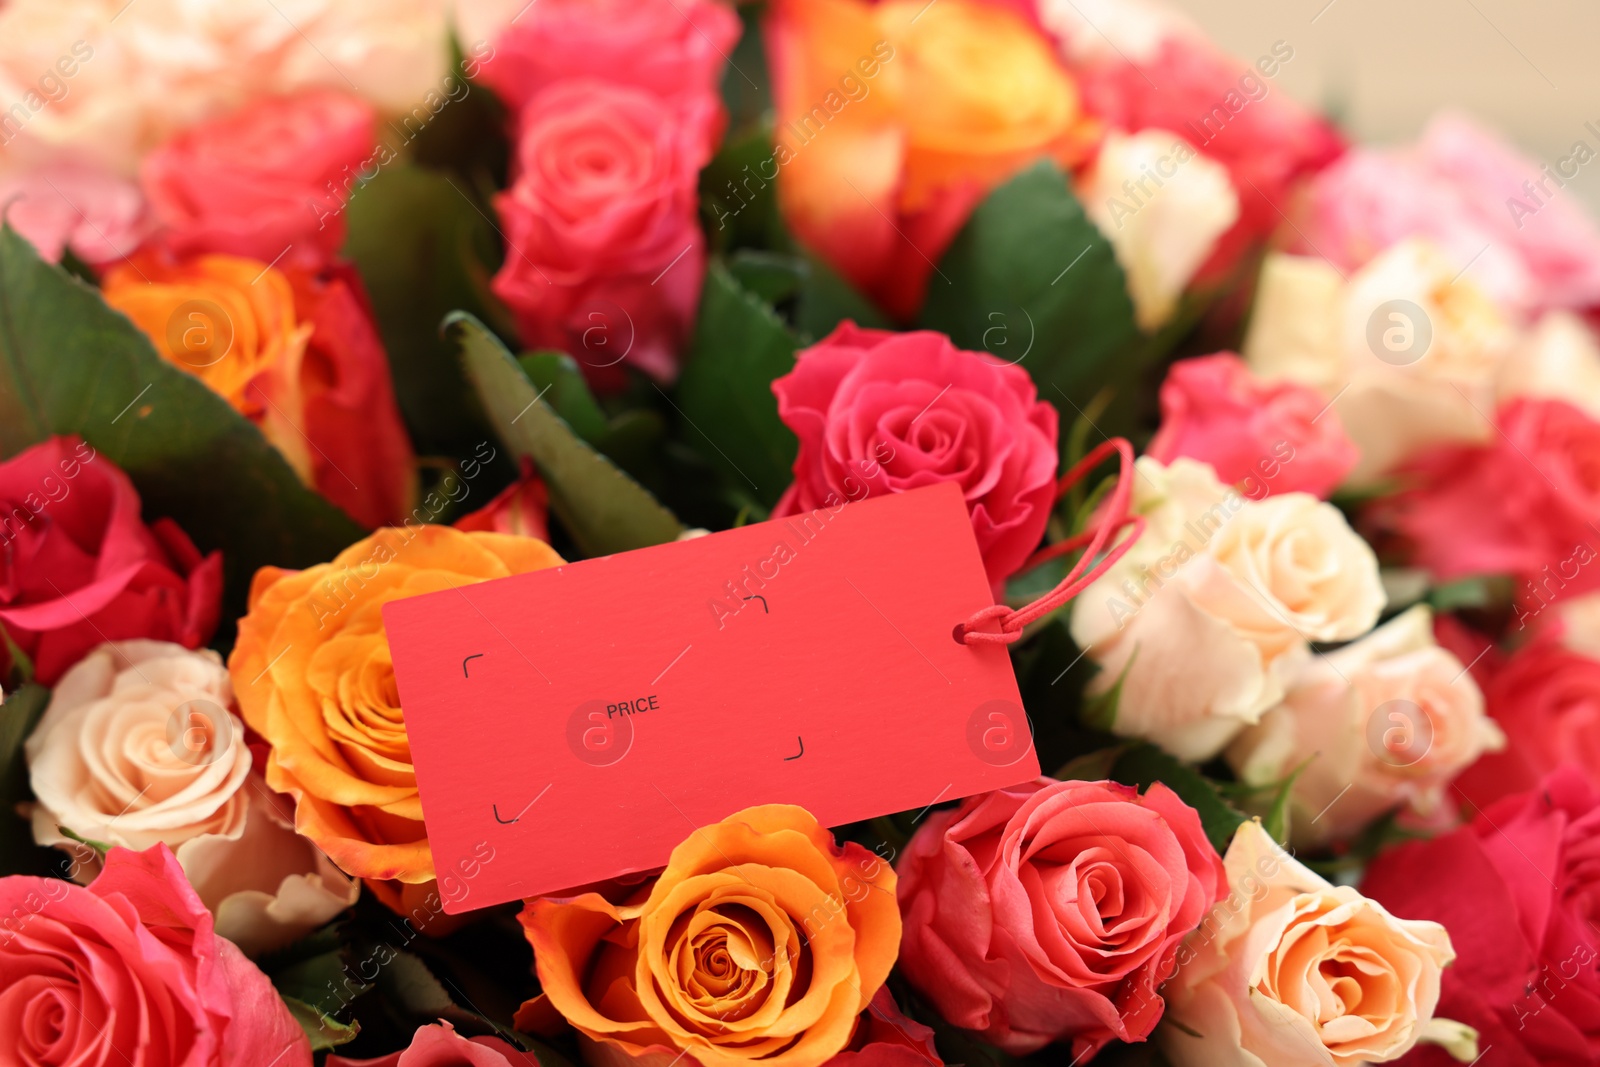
point(1525, 500)
point(1271, 437)
point(78, 566)
point(130, 971)
point(1519, 891)
point(604, 255)
point(438, 1045)
point(880, 412)
point(267, 179)
point(522, 508)
point(1053, 910)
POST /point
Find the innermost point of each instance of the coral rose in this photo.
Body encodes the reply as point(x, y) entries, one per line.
point(78, 566)
point(1291, 970)
point(101, 217)
point(1053, 910)
point(138, 747)
point(266, 182)
point(761, 942)
point(438, 1045)
point(132, 966)
point(895, 118)
point(313, 677)
point(1263, 437)
point(880, 412)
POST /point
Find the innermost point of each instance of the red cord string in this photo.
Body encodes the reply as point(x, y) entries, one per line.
point(1113, 517)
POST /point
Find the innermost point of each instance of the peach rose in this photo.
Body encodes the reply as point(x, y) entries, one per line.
point(314, 679)
point(1289, 971)
point(138, 747)
point(1408, 351)
point(1387, 721)
point(1208, 618)
point(761, 942)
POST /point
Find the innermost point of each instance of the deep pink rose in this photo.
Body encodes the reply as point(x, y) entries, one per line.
point(672, 49)
point(1519, 893)
point(1462, 187)
point(269, 179)
point(130, 971)
point(1269, 437)
point(1526, 499)
point(100, 216)
point(880, 412)
point(604, 255)
point(78, 566)
point(1054, 910)
point(438, 1045)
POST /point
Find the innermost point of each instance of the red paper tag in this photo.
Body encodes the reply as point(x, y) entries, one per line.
point(577, 723)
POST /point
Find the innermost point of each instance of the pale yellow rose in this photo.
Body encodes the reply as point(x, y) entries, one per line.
point(1408, 350)
point(1206, 620)
point(1164, 229)
point(138, 747)
point(1382, 723)
point(1289, 971)
point(1559, 359)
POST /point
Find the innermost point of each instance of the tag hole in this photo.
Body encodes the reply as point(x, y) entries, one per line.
point(958, 635)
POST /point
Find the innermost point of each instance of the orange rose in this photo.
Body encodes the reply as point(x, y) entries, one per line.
point(312, 674)
point(293, 351)
point(895, 118)
point(761, 942)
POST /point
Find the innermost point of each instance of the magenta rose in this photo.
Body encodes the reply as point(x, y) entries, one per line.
point(438, 1045)
point(78, 566)
point(1054, 910)
point(130, 971)
point(604, 255)
point(880, 412)
point(269, 179)
point(1519, 893)
point(1267, 437)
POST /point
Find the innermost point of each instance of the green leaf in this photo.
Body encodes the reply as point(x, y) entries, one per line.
point(826, 299)
point(1030, 279)
point(422, 247)
point(725, 393)
point(71, 365)
point(739, 194)
point(770, 276)
point(603, 509)
point(1144, 765)
point(1099, 712)
point(560, 383)
point(1478, 591)
point(99, 846)
point(18, 716)
point(323, 1031)
point(1091, 766)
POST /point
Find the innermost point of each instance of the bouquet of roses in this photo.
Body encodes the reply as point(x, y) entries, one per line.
point(1276, 452)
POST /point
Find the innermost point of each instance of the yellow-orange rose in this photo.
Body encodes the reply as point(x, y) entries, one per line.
point(761, 942)
point(313, 676)
point(895, 118)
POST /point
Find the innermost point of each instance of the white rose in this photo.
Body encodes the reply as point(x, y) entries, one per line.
point(1385, 722)
point(1125, 31)
point(1162, 205)
point(137, 748)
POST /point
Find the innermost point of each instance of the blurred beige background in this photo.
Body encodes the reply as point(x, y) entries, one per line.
point(1531, 68)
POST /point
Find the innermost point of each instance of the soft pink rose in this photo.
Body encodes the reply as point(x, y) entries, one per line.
point(267, 179)
point(1054, 910)
point(438, 1045)
point(131, 966)
point(1461, 186)
point(880, 412)
point(1280, 436)
point(604, 255)
point(99, 216)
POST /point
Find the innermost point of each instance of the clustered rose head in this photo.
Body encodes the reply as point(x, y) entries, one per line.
point(880, 412)
point(438, 1045)
point(762, 941)
point(1053, 910)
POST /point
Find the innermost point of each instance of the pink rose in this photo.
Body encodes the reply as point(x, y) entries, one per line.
point(99, 216)
point(880, 412)
point(672, 49)
point(438, 1045)
point(1272, 437)
point(1054, 910)
point(604, 255)
point(131, 965)
point(269, 178)
point(1463, 187)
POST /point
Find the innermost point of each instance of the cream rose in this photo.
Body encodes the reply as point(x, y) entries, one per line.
point(138, 747)
point(1160, 236)
point(1207, 619)
point(1408, 350)
point(1289, 971)
point(1558, 359)
point(1385, 722)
